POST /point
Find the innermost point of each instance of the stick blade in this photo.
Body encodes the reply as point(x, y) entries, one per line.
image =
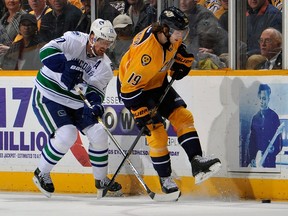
point(170, 197)
point(101, 193)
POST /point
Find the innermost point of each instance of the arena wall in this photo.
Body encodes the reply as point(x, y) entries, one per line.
point(223, 103)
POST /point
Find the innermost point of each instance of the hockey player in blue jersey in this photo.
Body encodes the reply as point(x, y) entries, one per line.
point(74, 59)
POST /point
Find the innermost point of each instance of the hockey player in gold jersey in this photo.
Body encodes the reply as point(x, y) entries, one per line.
point(142, 79)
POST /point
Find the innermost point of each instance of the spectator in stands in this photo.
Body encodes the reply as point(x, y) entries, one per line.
point(271, 48)
point(277, 3)
point(222, 9)
point(138, 13)
point(9, 25)
point(212, 38)
point(123, 27)
point(10, 21)
point(105, 10)
point(2, 8)
point(199, 19)
point(63, 17)
point(77, 3)
point(213, 41)
point(85, 20)
point(213, 5)
point(126, 6)
point(39, 9)
point(260, 15)
point(23, 54)
point(223, 19)
point(202, 2)
point(152, 12)
point(25, 6)
point(254, 60)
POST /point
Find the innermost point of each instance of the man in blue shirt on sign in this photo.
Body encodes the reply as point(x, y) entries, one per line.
point(264, 127)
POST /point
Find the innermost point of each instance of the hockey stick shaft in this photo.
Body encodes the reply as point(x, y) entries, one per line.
point(140, 133)
point(136, 173)
point(151, 194)
point(126, 156)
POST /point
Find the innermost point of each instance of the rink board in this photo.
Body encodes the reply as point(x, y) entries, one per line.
point(222, 102)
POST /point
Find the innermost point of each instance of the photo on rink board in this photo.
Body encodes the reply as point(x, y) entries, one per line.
point(263, 127)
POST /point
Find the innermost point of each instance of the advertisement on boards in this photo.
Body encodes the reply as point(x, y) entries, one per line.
point(22, 137)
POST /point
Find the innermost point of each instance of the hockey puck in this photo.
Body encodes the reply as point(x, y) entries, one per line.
point(266, 201)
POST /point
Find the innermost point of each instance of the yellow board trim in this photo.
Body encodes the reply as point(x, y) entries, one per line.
point(226, 72)
point(224, 188)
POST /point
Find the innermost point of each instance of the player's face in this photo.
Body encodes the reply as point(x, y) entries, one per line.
point(264, 100)
point(177, 35)
point(100, 46)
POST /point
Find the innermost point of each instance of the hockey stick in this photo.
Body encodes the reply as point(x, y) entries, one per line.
point(157, 197)
point(152, 112)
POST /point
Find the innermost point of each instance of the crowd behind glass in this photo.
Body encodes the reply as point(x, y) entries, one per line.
point(26, 25)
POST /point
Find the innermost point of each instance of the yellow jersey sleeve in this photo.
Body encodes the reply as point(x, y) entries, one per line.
point(144, 66)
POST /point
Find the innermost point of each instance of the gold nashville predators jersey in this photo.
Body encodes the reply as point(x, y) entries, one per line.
point(145, 65)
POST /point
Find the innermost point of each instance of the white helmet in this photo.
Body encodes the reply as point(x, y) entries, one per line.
point(103, 29)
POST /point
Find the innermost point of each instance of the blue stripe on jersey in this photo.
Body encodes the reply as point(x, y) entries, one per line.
point(99, 165)
point(40, 112)
point(53, 58)
point(49, 161)
point(52, 86)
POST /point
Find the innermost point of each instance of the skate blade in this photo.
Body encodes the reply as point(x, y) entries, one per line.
point(200, 177)
point(37, 183)
point(102, 193)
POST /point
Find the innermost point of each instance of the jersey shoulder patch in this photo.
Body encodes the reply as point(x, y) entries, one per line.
point(142, 36)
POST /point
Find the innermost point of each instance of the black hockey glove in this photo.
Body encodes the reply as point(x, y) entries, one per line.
point(182, 64)
point(72, 74)
point(142, 118)
point(97, 110)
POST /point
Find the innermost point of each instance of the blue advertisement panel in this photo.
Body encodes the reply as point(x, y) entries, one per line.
point(263, 127)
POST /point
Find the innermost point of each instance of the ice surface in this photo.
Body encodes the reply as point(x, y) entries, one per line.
point(30, 204)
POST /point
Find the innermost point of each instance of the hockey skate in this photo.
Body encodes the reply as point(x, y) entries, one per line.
point(203, 168)
point(168, 185)
point(43, 182)
point(113, 190)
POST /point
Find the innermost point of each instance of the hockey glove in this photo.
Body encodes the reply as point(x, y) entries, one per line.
point(72, 74)
point(142, 118)
point(182, 64)
point(97, 110)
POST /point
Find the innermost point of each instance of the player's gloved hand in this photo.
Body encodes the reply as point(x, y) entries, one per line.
point(72, 74)
point(182, 64)
point(96, 110)
point(142, 118)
